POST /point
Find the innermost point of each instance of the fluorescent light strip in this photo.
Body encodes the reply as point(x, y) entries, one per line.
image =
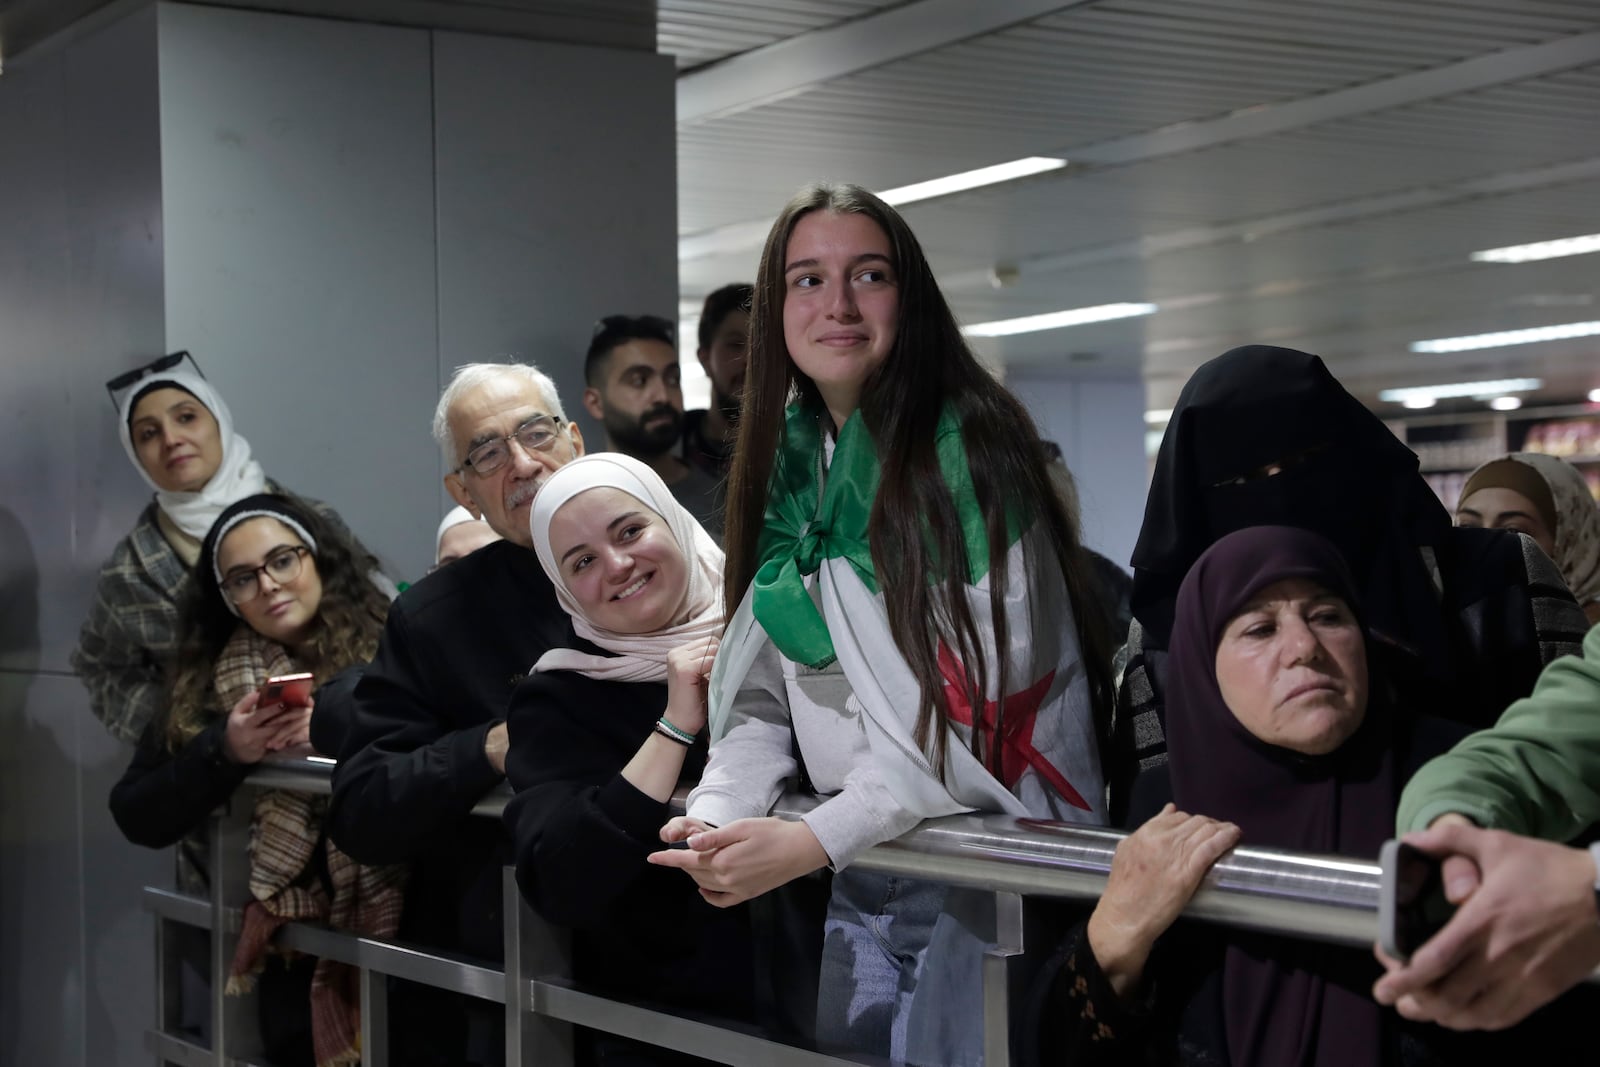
point(1594, 396)
point(1566, 246)
point(1444, 392)
point(1506, 338)
point(1506, 403)
point(1419, 403)
point(1157, 415)
point(971, 179)
point(1057, 320)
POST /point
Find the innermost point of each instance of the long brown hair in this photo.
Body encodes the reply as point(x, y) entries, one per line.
point(345, 631)
point(914, 530)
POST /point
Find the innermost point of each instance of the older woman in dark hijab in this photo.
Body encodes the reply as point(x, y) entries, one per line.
point(1468, 618)
point(1280, 737)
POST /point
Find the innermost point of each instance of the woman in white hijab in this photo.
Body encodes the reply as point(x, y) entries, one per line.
point(179, 434)
point(604, 730)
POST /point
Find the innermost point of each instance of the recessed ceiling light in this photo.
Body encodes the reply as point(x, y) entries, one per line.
point(1594, 396)
point(1056, 320)
point(1418, 403)
point(1441, 392)
point(970, 179)
point(1559, 332)
point(1165, 414)
point(1565, 246)
point(1506, 403)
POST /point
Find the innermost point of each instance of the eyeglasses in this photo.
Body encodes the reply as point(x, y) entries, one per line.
point(632, 325)
point(283, 567)
point(156, 366)
point(538, 434)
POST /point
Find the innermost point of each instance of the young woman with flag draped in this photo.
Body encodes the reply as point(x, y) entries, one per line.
point(909, 630)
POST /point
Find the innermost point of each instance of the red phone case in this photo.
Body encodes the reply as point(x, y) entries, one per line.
point(290, 690)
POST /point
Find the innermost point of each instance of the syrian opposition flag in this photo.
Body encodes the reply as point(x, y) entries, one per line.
point(1048, 759)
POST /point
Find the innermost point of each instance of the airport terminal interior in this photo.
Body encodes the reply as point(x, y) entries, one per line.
point(1391, 206)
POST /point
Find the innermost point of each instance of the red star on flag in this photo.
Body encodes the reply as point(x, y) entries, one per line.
point(1017, 753)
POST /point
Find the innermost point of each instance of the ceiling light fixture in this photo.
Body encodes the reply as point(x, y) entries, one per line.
point(970, 179)
point(1594, 396)
point(1419, 403)
point(1565, 246)
point(1057, 320)
point(1165, 414)
point(1473, 389)
point(1504, 338)
point(1506, 403)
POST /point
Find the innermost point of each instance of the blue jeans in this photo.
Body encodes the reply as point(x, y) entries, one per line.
point(902, 970)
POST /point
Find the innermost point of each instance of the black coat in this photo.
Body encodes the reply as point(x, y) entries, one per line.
point(413, 766)
point(165, 796)
point(582, 832)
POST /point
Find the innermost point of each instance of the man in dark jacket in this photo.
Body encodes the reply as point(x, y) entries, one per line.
point(427, 737)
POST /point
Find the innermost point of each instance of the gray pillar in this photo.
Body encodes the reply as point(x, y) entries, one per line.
point(330, 215)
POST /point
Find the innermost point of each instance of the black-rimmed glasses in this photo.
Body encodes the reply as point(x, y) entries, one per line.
point(154, 367)
point(283, 567)
point(538, 434)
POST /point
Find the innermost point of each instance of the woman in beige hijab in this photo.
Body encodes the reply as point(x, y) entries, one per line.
point(1548, 499)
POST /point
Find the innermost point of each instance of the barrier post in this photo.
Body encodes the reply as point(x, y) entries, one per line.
point(534, 949)
point(235, 1030)
point(998, 978)
point(374, 1019)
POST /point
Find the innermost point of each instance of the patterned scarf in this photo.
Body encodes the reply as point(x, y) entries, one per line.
point(285, 833)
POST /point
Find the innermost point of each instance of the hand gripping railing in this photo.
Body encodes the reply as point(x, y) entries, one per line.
point(1321, 898)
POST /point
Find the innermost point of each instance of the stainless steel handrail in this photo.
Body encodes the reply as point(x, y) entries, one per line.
point(1322, 898)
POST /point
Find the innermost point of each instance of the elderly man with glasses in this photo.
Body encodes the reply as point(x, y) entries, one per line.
point(427, 738)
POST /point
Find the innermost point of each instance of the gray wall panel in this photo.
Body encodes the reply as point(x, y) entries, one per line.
point(1099, 425)
point(80, 299)
point(298, 191)
point(557, 199)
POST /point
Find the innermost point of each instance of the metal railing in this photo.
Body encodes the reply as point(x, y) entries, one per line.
point(1323, 898)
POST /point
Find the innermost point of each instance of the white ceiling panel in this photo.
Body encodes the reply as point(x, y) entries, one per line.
point(1291, 171)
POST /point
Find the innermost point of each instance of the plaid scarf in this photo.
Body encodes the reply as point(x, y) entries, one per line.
point(285, 833)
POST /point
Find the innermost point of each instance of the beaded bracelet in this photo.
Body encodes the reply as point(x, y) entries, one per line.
point(672, 733)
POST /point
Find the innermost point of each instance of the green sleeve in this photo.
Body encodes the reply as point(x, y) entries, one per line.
point(1535, 772)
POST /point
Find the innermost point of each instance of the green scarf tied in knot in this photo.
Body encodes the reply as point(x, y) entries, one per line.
point(810, 520)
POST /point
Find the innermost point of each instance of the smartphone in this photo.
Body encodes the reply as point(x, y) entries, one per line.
point(288, 690)
point(1412, 906)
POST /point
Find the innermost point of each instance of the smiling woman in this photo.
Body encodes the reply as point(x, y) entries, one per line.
point(603, 731)
point(277, 590)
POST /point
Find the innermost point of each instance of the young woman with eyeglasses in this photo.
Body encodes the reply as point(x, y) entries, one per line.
point(179, 435)
point(277, 590)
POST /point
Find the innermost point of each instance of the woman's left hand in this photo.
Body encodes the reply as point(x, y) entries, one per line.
point(746, 858)
point(688, 677)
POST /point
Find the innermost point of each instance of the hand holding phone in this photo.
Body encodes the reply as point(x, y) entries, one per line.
point(1412, 905)
point(285, 691)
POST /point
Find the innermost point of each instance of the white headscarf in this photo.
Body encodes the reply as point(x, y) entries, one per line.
point(640, 657)
point(237, 476)
point(454, 517)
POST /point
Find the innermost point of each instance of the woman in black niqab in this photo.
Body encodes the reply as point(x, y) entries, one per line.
point(1463, 620)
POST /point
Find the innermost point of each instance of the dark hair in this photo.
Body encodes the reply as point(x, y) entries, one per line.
point(159, 383)
point(719, 305)
point(914, 531)
point(345, 631)
point(615, 330)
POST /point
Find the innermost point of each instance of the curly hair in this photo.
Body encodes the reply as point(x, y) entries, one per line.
point(345, 630)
